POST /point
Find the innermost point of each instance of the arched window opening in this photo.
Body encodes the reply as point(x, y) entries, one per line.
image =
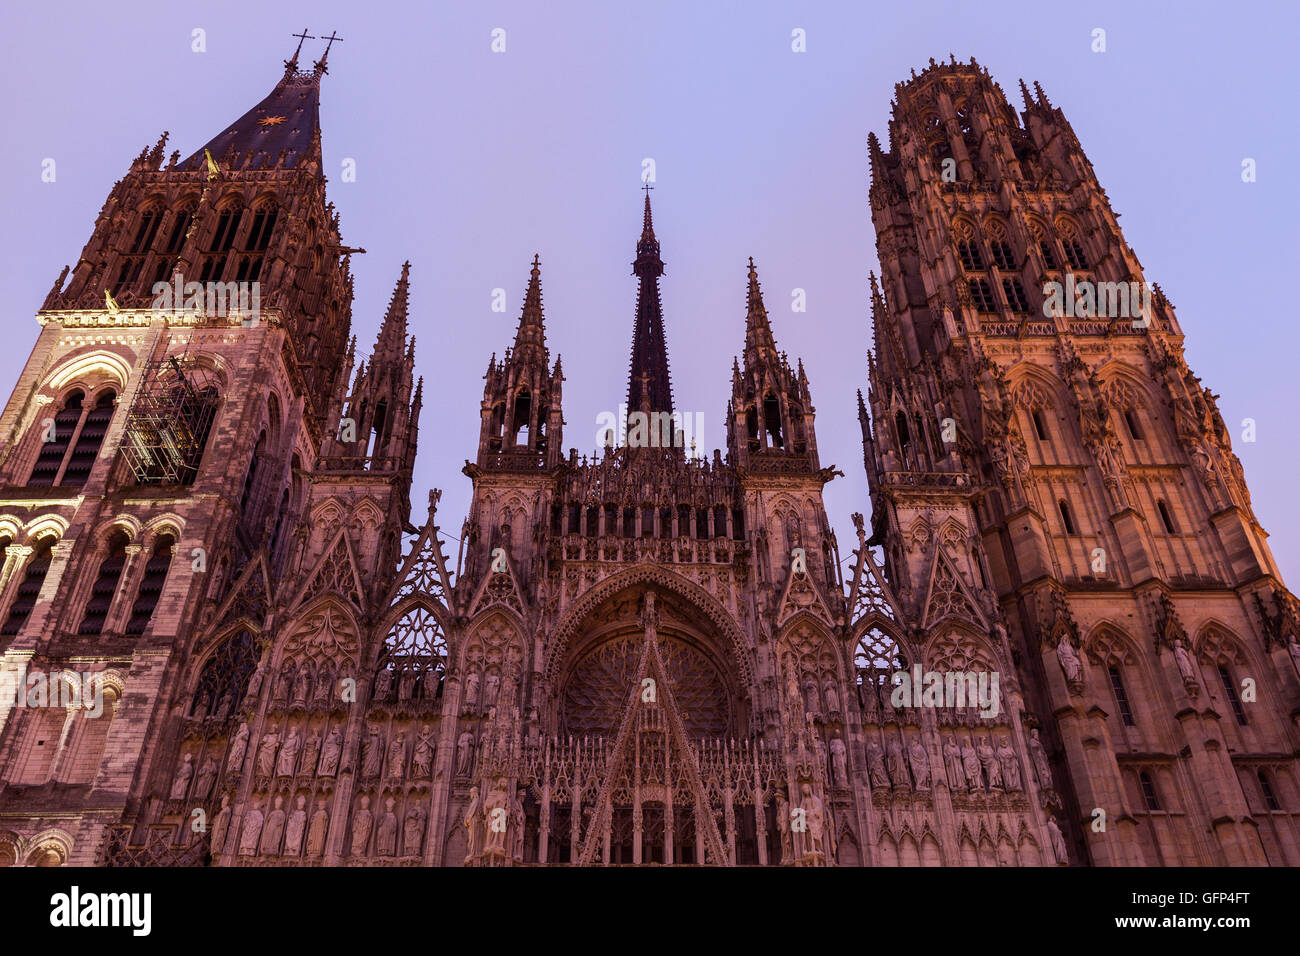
point(904, 434)
point(772, 420)
point(1149, 791)
point(223, 681)
point(702, 523)
point(877, 658)
point(180, 227)
point(1121, 696)
point(54, 442)
point(496, 426)
point(647, 522)
point(738, 524)
point(223, 239)
point(523, 416)
point(683, 521)
point(1003, 257)
point(1067, 519)
point(378, 429)
point(1165, 517)
point(250, 478)
point(1040, 424)
point(91, 437)
point(29, 588)
point(1270, 799)
point(151, 586)
point(1234, 699)
point(971, 259)
point(105, 586)
point(415, 659)
point(751, 427)
point(1133, 423)
point(280, 515)
point(719, 521)
point(629, 522)
point(1049, 254)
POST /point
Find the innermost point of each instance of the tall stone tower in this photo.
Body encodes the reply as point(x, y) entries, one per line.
point(1055, 494)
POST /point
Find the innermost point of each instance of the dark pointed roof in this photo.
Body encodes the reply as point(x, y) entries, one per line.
point(759, 343)
point(391, 344)
point(648, 378)
point(287, 121)
point(530, 338)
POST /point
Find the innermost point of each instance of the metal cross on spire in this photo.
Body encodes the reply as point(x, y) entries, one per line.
point(330, 41)
point(292, 62)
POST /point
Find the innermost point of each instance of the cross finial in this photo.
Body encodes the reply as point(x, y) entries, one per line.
point(330, 41)
point(292, 63)
point(647, 187)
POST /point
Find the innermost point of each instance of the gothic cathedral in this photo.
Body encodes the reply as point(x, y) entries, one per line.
point(1061, 638)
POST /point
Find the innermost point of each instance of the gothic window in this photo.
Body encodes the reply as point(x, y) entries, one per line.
point(683, 521)
point(557, 520)
point(133, 260)
point(523, 415)
point(224, 677)
point(1149, 791)
point(719, 522)
point(497, 425)
point(105, 586)
point(982, 295)
point(1049, 256)
point(1015, 293)
point(1234, 699)
point(647, 522)
point(93, 429)
point(772, 419)
point(665, 522)
point(54, 442)
point(1165, 519)
point(250, 477)
point(702, 523)
point(877, 657)
point(629, 522)
point(151, 585)
point(223, 239)
point(611, 519)
point(180, 226)
point(1067, 518)
point(969, 251)
point(259, 238)
point(1074, 253)
point(797, 432)
point(29, 588)
point(751, 426)
point(1040, 425)
point(575, 519)
point(1121, 696)
point(415, 654)
point(280, 515)
point(904, 435)
point(738, 524)
point(1133, 424)
point(1270, 799)
point(1003, 257)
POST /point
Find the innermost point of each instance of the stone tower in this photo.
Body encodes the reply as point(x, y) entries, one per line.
point(1054, 494)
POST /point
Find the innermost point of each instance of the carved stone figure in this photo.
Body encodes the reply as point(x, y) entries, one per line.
point(839, 761)
point(181, 784)
point(301, 686)
point(832, 698)
point(815, 820)
point(318, 830)
point(876, 766)
point(474, 824)
point(361, 824)
point(372, 753)
point(422, 761)
point(207, 776)
point(783, 827)
point(294, 828)
point(310, 754)
point(221, 824)
point(386, 835)
point(491, 686)
point(288, 761)
point(952, 759)
point(1010, 765)
point(1185, 667)
point(266, 754)
point(1071, 667)
point(383, 685)
point(471, 690)
point(920, 761)
point(1058, 842)
point(518, 821)
point(235, 760)
point(496, 819)
point(971, 761)
point(251, 832)
point(464, 753)
point(397, 756)
point(274, 828)
point(898, 775)
point(255, 684)
point(324, 687)
point(413, 831)
point(1039, 757)
point(329, 758)
point(989, 763)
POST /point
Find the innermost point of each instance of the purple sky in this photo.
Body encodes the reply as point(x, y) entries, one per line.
point(468, 162)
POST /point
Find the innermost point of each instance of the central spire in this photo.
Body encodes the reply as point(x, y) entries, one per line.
point(649, 388)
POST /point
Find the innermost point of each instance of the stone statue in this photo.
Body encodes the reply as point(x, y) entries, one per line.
point(464, 753)
point(361, 824)
point(324, 685)
point(898, 766)
point(294, 829)
point(920, 761)
point(288, 761)
point(274, 828)
point(496, 816)
point(266, 754)
point(281, 693)
point(397, 756)
point(1185, 667)
point(413, 831)
point(221, 824)
point(329, 761)
point(207, 776)
point(383, 685)
point(475, 827)
point(386, 836)
point(783, 826)
point(518, 821)
point(839, 761)
point(1071, 667)
point(182, 782)
point(989, 761)
point(318, 830)
point(832, 698)
point(1010, 765)
point(1039, 757)
point(301, 687)
point(372, 753)
point(971, 761)
point(249, 835)
point(255, 684)
point(471, 689)
point(422, 763)
point(1058, 843)
point(815, 818)
point(876, 766)
point(235, 760)
point(310, 753)
point(952, 759)
point(491, 686)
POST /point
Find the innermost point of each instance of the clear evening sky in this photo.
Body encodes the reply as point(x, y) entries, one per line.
point(469, 161)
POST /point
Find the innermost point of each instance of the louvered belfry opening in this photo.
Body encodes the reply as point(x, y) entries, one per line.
point(105, 586)
point(151, 585)
point(54, 445)
point(29, 589)
point(93, 430)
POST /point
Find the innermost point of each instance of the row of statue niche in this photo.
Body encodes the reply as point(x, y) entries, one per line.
point(294, 685)
point(277, 833)
point(879, 708)
point(494, 686)
point(385, 829)
point(402, 682)
point(805, 838)
point(495, 824)
point(391, 760)
point(321, 759)
point(904, 765)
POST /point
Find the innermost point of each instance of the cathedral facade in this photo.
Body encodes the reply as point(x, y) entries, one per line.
point(1060, 639)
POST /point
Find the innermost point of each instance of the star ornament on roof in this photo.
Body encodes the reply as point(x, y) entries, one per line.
point(270, 121)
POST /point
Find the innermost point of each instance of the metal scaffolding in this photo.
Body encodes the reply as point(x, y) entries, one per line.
point(169, 422)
